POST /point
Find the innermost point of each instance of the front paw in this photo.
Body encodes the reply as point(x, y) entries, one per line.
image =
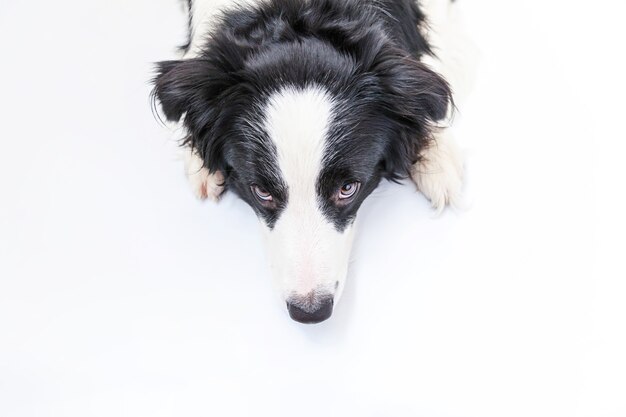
point(203, 183)
point(439, 173)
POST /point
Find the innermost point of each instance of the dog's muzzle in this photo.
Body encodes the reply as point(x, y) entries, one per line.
point(310, 309)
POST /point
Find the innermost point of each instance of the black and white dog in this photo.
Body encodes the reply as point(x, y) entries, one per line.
point(301, 108)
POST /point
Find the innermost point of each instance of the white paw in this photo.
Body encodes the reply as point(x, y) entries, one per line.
point(204, 184)
point(439, 174)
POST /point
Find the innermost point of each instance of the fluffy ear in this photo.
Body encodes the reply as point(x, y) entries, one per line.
point(178, 84)
point(197, 89)
point(171, 90)
point(415, 98)
point(419, 95)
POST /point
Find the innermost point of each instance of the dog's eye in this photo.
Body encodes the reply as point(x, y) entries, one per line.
point(348, 190)
point(262, 194)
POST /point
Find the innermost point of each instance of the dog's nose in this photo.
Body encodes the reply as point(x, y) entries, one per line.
point(317, 313)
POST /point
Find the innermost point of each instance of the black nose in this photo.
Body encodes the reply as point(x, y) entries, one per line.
point(322, 311)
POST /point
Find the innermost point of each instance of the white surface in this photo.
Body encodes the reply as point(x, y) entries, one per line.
point(121, 295)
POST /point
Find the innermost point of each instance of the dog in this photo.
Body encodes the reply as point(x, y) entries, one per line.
point(301, 108)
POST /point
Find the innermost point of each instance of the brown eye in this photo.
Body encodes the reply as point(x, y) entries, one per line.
point(349, 190)
point(262, 194)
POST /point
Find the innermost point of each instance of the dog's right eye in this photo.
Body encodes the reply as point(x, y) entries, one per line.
point(262, 194)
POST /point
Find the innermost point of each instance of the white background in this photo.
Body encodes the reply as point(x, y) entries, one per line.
point(121, 295)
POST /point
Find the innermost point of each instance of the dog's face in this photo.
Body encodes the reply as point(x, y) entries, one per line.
point(306, 178)
point(304, 132)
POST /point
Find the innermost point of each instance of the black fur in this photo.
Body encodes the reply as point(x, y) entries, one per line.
point(364, 53)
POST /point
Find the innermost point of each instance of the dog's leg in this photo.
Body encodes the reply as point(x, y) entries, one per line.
point(204, 184)
point(456, 57)
point(439, 172)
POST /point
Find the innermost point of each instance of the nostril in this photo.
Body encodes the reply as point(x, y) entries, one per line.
point(321, 312)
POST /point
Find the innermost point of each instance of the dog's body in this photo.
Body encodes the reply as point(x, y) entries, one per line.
point(301, 107)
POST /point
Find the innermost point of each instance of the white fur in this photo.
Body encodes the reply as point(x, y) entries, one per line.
point(306, 252)
point(456, 55)
point(439, 174)
point(203, 184)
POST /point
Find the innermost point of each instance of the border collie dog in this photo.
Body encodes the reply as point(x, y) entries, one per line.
point(301, 108)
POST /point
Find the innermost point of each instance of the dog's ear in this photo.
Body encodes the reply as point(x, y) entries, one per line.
point(420, 94)
point(197, 90)
point(414, 99)
point(173, 87)
point(181, 85)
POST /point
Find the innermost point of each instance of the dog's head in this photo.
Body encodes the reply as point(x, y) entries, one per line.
point(303, 128)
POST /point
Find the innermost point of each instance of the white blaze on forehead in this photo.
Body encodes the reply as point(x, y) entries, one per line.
point(307, 253)
point(297, 122)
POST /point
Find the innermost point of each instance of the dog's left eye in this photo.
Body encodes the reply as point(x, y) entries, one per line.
point(348, 190)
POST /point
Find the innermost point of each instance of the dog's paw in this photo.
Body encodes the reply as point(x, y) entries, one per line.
point(439, 173)
point(203, 183)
